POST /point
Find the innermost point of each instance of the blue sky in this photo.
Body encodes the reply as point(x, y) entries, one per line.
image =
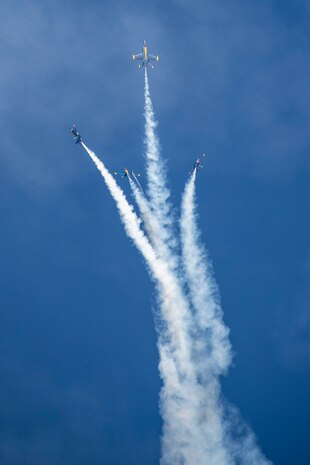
point(78, 357)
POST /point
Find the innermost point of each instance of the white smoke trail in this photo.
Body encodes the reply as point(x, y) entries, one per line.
point(203, 289)
point(137, 181)
point(128, 216)
point(194, 348)
point(173, 309)
point(202, 419)
point(150, 222)
point(157, 189)
point(157, 267)
point(179, 397)
point(213, 348)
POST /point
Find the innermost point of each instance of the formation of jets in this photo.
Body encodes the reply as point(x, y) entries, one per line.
point(146, 60)
point(145, 57)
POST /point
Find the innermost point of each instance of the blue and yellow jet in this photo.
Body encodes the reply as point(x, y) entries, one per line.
point(197, 164)
point(76, 135)
point(125, 173)
point(145, 56)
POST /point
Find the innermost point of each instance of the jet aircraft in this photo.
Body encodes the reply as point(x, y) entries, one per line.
point(197, 164)
point(145, 56)
point(125, 173)
point(76, 135)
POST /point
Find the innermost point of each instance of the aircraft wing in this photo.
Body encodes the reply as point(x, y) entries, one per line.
point(153, 57)
point(139, 56)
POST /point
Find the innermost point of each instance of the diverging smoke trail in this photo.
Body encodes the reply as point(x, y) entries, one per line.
point(129, 218)
point(173, 313)
point(212, 345)
point(193, 423)
point(203, 416)
point(168, 288)
point(179, 406)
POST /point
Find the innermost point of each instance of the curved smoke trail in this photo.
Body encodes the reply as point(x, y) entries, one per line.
point(213, 348)
point(211, 331)
point(202, 423)
point(179, 395)
point(159, 224)
point(171, 304)
point(193, 346)
point(203, 414)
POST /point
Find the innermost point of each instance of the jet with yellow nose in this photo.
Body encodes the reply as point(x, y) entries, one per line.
point(145, 57)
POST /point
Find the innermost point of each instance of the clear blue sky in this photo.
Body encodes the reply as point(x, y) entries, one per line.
point(78, 359)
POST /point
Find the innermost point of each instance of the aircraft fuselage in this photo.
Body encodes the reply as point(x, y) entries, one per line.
point(145, 57)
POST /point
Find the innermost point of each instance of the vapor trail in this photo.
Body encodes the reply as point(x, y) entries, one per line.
point(205, 429)
point(181, 396)
point(137, 182)
point(193, 342)
point(212, 345)
point(157, 212)
point(173, 311)
point(204, 295)
point(150, 222)
point(204, 424)
point(157, 189)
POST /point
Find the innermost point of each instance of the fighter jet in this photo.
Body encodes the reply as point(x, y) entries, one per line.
point(76, 136)
point(145, 56)
point(197, 164)
point(125, 173)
